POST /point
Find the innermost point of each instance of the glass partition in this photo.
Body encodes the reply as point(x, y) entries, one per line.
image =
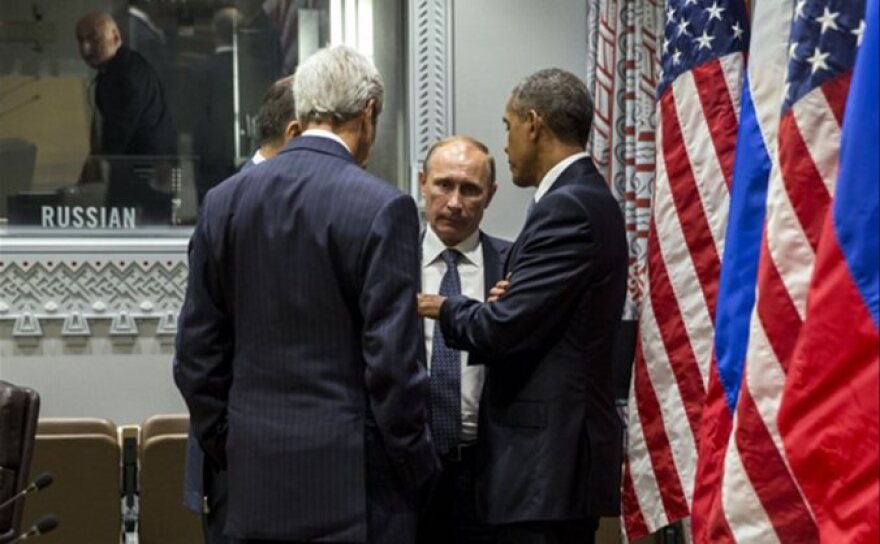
point(129, 145)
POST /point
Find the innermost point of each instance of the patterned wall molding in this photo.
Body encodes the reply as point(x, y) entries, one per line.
point(430, 82)
point(76, 282)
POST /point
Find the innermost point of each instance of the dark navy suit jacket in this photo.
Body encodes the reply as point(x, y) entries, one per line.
point(300, 353)
point(196, 482)
point(550, 437)
point(494, 256)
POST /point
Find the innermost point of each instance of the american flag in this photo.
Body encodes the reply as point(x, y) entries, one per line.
point(698, 106)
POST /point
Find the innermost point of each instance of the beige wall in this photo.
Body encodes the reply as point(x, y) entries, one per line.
point(52, 113)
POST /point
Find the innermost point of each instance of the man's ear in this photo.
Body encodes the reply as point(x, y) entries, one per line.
point(491, 193)
point(117, 38)
point(369, 109)
point(535, 123)
point(292, 130)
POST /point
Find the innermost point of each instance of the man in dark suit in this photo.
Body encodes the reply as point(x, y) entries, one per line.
point(458, 182)
point(550, 438)
point(204, 484)
point(299, 346)
point(132, 119)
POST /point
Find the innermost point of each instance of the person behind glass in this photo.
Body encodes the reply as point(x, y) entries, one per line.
point(204, 483)
point(276, 121)
point(457, 183)
point(550, 437)
point(299, 349)
point(148, 39)
point(214, 132)
point(131, 118)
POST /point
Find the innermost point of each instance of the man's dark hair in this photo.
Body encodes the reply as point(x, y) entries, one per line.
point(561, 99)
point(426, 165)
point(277, 110)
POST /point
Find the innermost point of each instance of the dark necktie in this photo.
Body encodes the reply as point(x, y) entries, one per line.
point(446, 369)
point(530, 209)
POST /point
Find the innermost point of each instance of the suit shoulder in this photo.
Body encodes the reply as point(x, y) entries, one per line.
point(379, 186)
point(499, 244)
point(224, 192)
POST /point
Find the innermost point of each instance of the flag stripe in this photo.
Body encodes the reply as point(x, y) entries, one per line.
point(764, 464)
point(835, 92)
point(776, 313)
point(686, 326)
point(713, 196)
point(662, 375)
point(732, 70)
point(718, 109)
point(659, 450)
point(741, 511)
point(635, 521)
point(668, 323)
point(791, 252)
point(686, 197)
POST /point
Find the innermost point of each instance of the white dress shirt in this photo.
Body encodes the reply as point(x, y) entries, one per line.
point(258, 157)
point(470, 271)
point(553, 174)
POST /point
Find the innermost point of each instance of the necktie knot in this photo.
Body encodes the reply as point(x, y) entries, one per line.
point(450, 257)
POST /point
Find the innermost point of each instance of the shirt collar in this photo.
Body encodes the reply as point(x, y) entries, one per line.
point(433, 246)
point(322, 133)
point(258, 157)
point(553, 174)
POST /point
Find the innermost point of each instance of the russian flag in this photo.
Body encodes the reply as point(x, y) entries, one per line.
point(829, 414)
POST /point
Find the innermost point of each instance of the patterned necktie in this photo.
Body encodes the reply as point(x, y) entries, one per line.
point(446, 369)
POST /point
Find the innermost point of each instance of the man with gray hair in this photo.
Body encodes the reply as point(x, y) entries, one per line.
point(299, 346)
point(550, 437)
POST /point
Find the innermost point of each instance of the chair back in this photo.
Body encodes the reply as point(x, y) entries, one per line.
point(84, 456)
point(163, 518)
point(19, 408)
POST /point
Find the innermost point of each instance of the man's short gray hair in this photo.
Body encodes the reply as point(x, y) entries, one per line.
point(561, 99)
point(335, 84)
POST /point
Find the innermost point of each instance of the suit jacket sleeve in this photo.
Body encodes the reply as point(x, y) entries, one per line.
point(395, 374)
point(203, 364)
point(551, 268)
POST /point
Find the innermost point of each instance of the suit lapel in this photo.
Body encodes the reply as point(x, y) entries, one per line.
point(492, 266)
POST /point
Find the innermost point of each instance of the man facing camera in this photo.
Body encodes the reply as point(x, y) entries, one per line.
point(550, 437)
point(299, 346)
point(132, 118)
point(458, 182)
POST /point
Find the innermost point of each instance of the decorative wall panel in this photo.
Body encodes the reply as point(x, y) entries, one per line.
point(431, 104)
point(77, 282)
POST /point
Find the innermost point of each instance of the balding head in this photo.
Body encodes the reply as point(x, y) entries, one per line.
point(98, 37)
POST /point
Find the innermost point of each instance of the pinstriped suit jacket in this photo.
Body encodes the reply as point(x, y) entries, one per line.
point(299, 349)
